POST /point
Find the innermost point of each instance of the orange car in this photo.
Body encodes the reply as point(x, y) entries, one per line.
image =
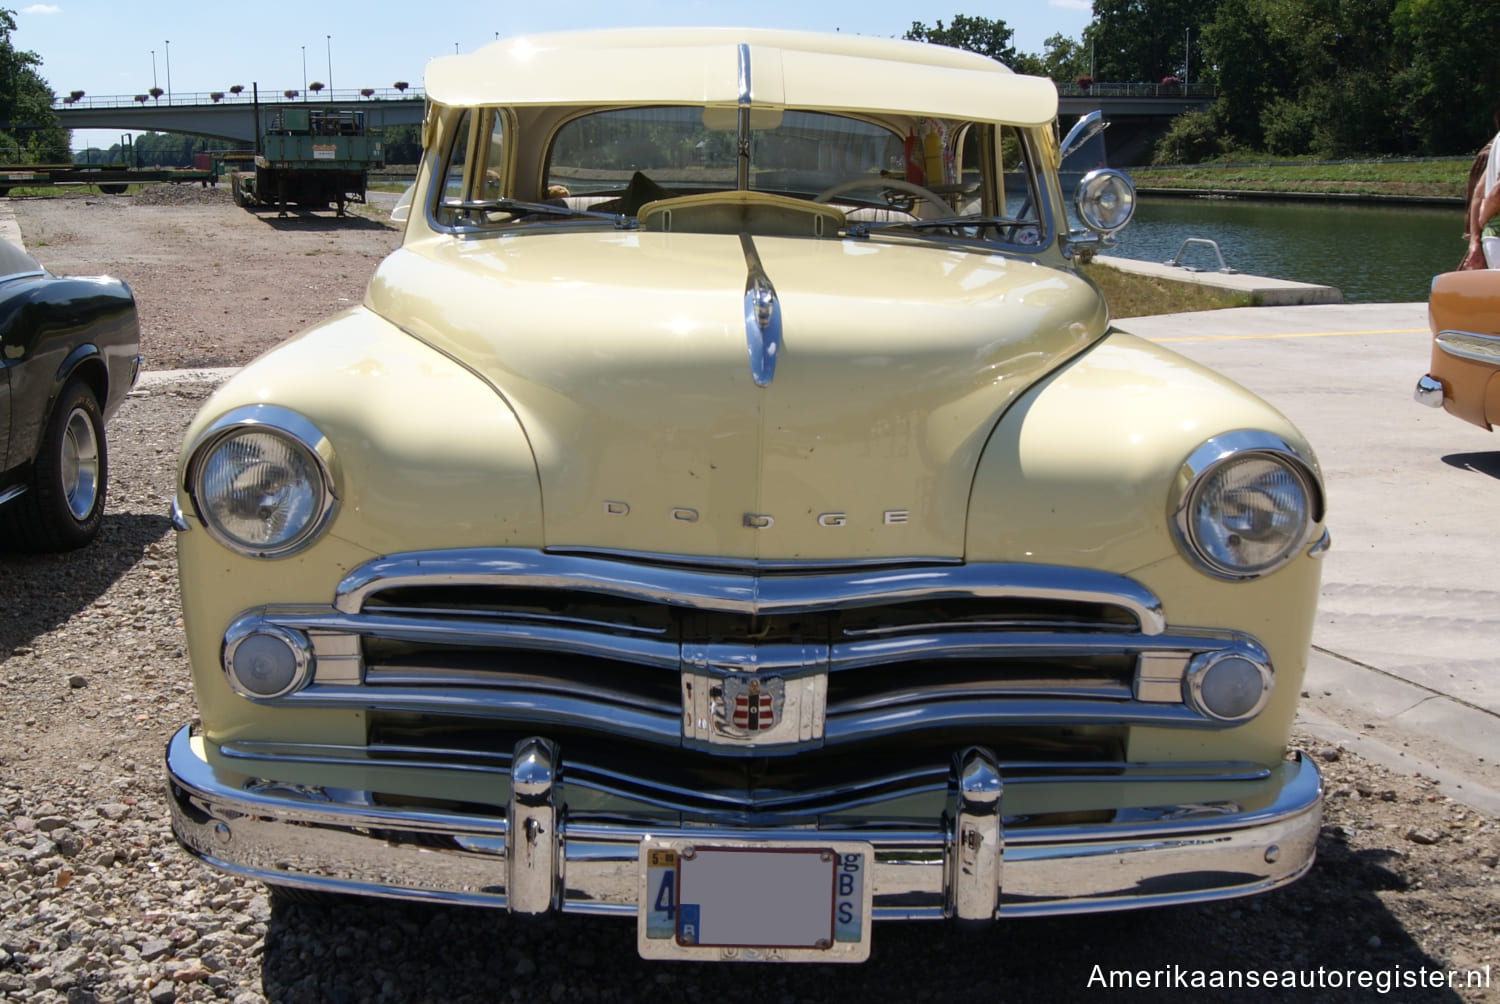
point(1464, 311)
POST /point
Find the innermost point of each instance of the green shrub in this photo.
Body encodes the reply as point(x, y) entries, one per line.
point(1192, 137)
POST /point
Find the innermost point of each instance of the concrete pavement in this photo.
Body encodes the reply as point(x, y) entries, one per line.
point(1405, 667)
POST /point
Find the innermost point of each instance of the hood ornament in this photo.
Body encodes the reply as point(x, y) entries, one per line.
point(762, 317)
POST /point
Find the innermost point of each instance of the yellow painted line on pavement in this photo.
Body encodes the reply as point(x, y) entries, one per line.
point(1289, 334)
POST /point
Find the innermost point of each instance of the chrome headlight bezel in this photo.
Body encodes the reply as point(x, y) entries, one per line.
point(1217, 456)
point(1104, 200)
point(298, 434)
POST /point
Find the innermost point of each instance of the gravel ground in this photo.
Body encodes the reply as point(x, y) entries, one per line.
point(97, 902)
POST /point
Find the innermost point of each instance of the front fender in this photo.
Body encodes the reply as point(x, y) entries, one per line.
point(428, 457)
point(1079, 472)
point(1083, 472)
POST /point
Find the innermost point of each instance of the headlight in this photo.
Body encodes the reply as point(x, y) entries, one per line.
point(1248, 504)
point(260, 481)
point(1104, 200)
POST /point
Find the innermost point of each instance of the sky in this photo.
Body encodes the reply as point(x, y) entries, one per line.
point(114, 48)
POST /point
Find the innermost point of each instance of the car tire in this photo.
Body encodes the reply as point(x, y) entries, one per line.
point(64, 503)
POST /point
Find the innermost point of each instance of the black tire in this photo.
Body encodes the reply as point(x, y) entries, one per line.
point(64, 503)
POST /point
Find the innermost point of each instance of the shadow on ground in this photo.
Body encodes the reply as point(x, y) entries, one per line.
point(308, 221)
point(1479, 463)
point(41, 591)
point(1332, 920)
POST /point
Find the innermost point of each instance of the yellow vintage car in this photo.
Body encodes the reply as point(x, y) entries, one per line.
point(1465, 347)
point(730, 510)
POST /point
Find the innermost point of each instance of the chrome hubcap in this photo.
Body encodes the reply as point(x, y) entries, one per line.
point(80, 464)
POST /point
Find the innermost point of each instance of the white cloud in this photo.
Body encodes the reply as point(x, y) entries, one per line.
point(1085, 5)
point(42, 8)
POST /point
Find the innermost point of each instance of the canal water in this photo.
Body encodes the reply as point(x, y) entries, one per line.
point(1372, 253)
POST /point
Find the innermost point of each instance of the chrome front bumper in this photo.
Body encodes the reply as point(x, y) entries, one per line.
point(530, 857)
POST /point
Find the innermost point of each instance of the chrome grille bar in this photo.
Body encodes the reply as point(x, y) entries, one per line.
point(776, 590)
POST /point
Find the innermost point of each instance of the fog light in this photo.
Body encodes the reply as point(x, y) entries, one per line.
point(264, 661)
point(1228, 686)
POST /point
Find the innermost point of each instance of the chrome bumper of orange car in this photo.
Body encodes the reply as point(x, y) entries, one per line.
point(1429, 392)
point(972, 862)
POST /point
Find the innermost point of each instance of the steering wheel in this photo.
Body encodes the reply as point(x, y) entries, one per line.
point(899, 184)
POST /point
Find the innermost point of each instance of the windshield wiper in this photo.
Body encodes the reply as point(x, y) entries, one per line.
point(947, 222)
point(620, 221)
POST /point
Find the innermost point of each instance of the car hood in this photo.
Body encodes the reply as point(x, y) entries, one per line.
point(625, 357)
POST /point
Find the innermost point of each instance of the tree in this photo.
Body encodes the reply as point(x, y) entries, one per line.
point(28, 124)
point(986, 36)
point(1140, 40)
point(1064, 59)
point(1447, 81)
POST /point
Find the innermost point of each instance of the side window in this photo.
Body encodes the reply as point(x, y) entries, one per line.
point(452, 187)
point(1017, 183)
point(492, 185)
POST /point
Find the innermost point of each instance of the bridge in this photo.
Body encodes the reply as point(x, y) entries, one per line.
point(229, 116)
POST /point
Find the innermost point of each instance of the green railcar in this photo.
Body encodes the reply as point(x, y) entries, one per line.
point(312, 158)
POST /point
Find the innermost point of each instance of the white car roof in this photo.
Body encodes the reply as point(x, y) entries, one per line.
point(701, 66)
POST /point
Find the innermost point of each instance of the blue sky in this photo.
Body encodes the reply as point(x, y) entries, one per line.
point(106, 48)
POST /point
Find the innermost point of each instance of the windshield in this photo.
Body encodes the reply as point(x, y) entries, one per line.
point(971, 180)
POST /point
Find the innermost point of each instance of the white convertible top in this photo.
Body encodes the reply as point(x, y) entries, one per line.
point(701, 66)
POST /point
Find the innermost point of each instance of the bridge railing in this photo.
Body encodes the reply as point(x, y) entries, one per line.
point(298, 95)
point(1100, 89)
point(289, 95)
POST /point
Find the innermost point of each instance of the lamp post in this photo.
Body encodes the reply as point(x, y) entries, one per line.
point(153, 69)
point(329, 40)
point(168, 44)
point(304, 73)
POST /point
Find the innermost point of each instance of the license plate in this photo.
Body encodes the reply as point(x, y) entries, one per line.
point(753, 901)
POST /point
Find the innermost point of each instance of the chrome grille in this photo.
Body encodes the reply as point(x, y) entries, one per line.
point(648, 652)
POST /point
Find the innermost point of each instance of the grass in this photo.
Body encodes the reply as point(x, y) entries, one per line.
point(1130, 295)
point(1419, 178)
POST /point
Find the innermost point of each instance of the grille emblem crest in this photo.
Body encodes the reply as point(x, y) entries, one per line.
point(751, 705)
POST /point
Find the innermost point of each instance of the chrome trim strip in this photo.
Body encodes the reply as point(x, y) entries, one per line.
point(13, 492)
point(921, 644)
point(738, 592)
point(1471, 345)
point(742, 160)
point(1428, 392)
point(1320, 546)
point(743, 51)
point(751, 565)
point(292, 836)
point(32, 274)
point(177, 517)
point(646, 651)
